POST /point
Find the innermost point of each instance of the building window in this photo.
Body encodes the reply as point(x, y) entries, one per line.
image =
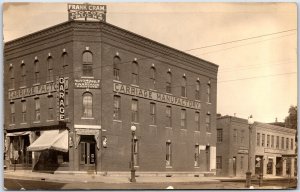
point(277, 142)
point(198, 91)
point(263, 140)
point(153, 113)
point(168, 154)
point(292, 144)
point(287, 143)
point(117, 107)
point(87, 64)
point(12, 113)
point(272, 141)
point(50, 69)
point(37, 109)
point(268, 140)
point(23, 75)
point(87, 103)
point(183, 119)
point(197, 156)
point(135, 73)
point(12, 78)
point(64, 64)
point(282, 142)
point(235, 135)
point(219, 162)
point(116, 65)
point(208, 92)
point(169, 82)
point(258, 139)
point(183, 87)
point(24, 109)
point(153, 77)
point(242, 136)
point(207, 121)
point(134, 110)
point(36, 71)
point(219, 135)
point(197, 120)
point(242, 162)
point(50, 108)
point(135, 152)
point(169, 116)
point(66, 104)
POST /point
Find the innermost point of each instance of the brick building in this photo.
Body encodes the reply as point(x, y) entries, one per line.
point(272, 148)
point(72, 92)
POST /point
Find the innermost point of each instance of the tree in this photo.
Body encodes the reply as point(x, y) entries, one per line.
point(291, 119)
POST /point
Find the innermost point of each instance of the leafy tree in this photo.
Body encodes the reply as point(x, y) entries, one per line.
point(291, 119)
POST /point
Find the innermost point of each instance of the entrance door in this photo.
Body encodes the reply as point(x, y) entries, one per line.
point(278, 166)
point(207, 158)
point(87, 156)
point(234, 166)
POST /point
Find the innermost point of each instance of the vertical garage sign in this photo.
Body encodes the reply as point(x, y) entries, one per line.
point(61, 99)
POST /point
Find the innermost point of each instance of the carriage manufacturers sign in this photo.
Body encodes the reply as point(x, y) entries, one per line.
point(161, 97)
point(87, 83)
point(87, 11)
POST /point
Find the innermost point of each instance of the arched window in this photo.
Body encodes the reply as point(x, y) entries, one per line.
point(153, 77)
point(116, 65)
point(183, 87)
point(23, 75)
point(135, 73)
point(87, 64)
point(12, 78)
point(50, 69)
point(64, 71)
point(36, 71)
point(169, 82)
point(208, 92)
point(87, 103)
point(198, 90)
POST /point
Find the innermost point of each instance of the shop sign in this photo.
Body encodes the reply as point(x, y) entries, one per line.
point(153, 95)
point(61, 99)
point(243, 151)
point(87, 83)
point(87, 11)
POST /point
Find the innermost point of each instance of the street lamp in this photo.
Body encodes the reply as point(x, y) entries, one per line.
point(248, 173)
point(133, 129)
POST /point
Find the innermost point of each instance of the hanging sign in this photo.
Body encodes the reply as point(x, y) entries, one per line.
point(61, 99)
point(87, 11)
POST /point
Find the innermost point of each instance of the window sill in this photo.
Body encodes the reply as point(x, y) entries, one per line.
point(169, 93)
point(50, 120)
point(181, 129)
point(12, 89)
point(133, 85)
point(183, 97)
point(117, 120)
point(209, 103)
point(208, 132)
point(135, 123)
point(22, 87)
point(36, 84)
point(136, 166)
point(169, 128)
point(24, 123)
point(154, 90)
point(197, 131)
point(87, 118)
point(37, 122)
point(49, 81)
point(117, 81)
point(12, 124)
point(169, 167)
point(152, 125)
point(196, 167)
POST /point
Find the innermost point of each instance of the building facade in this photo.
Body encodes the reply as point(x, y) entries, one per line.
point(272, 149)
point(72, 92)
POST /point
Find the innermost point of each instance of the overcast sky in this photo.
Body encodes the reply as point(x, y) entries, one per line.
point(256, 76)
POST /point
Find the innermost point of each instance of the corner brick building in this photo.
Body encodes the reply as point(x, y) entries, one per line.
point(111, 79)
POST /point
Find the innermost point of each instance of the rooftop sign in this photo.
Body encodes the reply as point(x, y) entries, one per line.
point(86, 11)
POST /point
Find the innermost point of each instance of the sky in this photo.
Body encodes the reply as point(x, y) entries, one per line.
point(254, 44)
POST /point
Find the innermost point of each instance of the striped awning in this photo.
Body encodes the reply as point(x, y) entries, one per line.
point(52, 139)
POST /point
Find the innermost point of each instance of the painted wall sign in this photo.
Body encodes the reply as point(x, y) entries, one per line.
point(161, 97)
point(61, 99)
point(87, 83)
point(87, 11)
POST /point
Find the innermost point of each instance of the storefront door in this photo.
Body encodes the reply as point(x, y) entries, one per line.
point(87, 154)
point(279, 166)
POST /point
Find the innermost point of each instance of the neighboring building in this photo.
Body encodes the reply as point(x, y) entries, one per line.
point(272, 148)
point(111, 79)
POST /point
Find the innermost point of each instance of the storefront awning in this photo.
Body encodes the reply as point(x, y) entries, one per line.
point(20, 133)
point(53, 139)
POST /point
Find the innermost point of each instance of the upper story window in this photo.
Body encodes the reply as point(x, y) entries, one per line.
point(292, 144)
point(117, 107)
point(219, 135)
point(282, 142)
point(87, 64)
point(36, 71)
point(134, 110)
point(12, 113)
point(37, 109)
point(198, 90)
point(183, 119)
point(24, 110)
point(258, 139)
point(183, 87)
point(208, 122)
point(50, 108)
point(219, 162)
point(87, 103)
point(208, 92)
point(268, 140)
point(66, 104)
point(153, 113)
point(169, 82)
point(65, 65)
point(50, 69)
point(12, 77)
point(287, 143)
point(272, 141)
point(197, 156)
point(168, 154)
point(235, 135)
point(169, 116)
point(153, 77)
point(116, 65)
point(242, 136)
point(134, 73)
point(277, 142)
point(23, 75)
point(263, 140)
point(197, 120)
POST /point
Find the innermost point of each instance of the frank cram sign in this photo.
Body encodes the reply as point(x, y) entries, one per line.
point(86, 11)
point(61, 99)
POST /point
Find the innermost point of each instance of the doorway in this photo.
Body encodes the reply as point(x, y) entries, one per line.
point(207, 158)
point(279, 164)
point(234, 166)
point(87, 152)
